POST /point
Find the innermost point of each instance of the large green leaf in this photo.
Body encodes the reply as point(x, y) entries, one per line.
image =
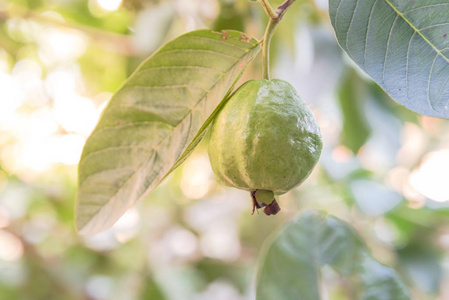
point(403, 45)
point(290, 267)
point(160, 112)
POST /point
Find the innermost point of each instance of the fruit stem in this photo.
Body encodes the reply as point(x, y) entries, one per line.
point(275, 17)
point(266, 49)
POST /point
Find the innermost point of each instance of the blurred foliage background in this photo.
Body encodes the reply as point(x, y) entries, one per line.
point(384, 169)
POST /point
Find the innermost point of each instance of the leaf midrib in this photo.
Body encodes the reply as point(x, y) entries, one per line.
point(416, 29)
point(246, 52)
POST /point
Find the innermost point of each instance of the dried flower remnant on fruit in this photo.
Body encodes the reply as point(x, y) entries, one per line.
point(261, 198)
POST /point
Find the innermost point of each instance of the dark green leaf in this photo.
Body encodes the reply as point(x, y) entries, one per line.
point(422, 265)
point(403, 45)
point(161, 111)
point(290, 268)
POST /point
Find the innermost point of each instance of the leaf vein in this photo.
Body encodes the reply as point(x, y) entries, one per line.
point(407, 63)
point(174, 86)
point(429, 81)
point(336, 13)
point(426, 6)
point(197, 50)
point(367, 33)
point(104, 171)
point(434, 25)
point(213, 40)
point(128, 124)
point(179, 67)
point(114, 148)
point(349, 28)
point(416, 29)
point(386, 51)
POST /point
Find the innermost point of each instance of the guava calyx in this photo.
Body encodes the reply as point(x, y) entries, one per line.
point(260, 198)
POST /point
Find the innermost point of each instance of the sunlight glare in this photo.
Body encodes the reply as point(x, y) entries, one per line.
point(181, 242)
point(12, 246)
point(75, 113)
point(12, 97)
point(41, 124)
point(127, 226)
point(62, 81)
point(109, 5)
point(66, 149)
point(100, 287)
point(221, 241)
point(196, 177)
point(61, 44)
point(430, 178)
point(5, 218)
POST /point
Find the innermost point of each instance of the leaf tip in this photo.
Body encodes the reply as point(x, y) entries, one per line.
point(81, 226)
point(87, 224)
point(89, 228)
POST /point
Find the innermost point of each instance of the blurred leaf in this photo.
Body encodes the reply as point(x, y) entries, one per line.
point(151, 290)
point(155, 120)
point(380, 281)
point(229, 17)
point(102, 69)
point(212, 270)
point(80, 13)
point(291, 265)
point(352, 97)
point(422, 266)
point(158, 17)
point(373, 198)
point(402, 45)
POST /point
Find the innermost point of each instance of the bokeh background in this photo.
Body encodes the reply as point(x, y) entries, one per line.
point(384, 169)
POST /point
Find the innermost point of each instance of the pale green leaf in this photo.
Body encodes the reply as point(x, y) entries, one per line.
point(403, 45)
point(290, 267)
point(161, 110)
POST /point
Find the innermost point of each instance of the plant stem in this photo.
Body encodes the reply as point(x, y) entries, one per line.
point(275, 18)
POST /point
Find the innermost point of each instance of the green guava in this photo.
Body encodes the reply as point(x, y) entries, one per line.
point(264, 140)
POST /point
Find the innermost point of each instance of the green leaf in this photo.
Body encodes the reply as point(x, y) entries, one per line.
point(403, 45)
point(422, 264)
point(160, 112)
point(352, 96)
point(290, 267)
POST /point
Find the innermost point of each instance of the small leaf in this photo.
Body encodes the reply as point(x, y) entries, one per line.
point(290, 268)
point(161, 111)
point(403, 45)
point(352, 96)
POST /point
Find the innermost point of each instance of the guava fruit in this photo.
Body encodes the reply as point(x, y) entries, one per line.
point(264, 140)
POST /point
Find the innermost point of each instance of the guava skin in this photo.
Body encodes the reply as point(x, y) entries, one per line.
point(264, 138)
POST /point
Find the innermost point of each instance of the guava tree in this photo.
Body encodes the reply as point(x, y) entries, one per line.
point(185, 89)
